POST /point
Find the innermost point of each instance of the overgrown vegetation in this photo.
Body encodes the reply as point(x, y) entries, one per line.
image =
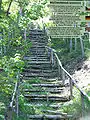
point(16, 18)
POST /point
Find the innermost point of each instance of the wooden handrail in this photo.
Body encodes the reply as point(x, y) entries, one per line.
point(13, 96)
point(8, 115)
point(73, 81)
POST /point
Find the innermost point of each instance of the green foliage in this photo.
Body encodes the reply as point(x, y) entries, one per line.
point(14, 45)
point(12, 65)
point(73, 107)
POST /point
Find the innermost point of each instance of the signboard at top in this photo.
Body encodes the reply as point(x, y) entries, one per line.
point(66, 18)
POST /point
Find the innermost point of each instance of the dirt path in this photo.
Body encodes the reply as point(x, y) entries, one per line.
point(83, 75)
point(80, 71)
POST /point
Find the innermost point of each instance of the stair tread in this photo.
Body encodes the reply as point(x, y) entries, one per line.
point(50, 116)
point(48, 90)
point(47, 85)
point(53, 105)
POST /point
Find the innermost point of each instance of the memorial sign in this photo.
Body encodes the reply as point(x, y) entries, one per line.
point(66, 18)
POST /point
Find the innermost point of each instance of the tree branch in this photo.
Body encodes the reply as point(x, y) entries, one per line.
point(9, 7)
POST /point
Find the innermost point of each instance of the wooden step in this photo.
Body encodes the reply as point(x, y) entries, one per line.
point(40, 71)
point(47, 90)
point(47, 97)
point(45, 55)
point(49, 117)
point(38, 43)
point(39, 39)
point(47, 85)
point(56, 112)
point(45, 104)
point(40, 75)
point(37, 74)
point(41, 78)
point(35, 58)
point(39, 62)
point(37, 47)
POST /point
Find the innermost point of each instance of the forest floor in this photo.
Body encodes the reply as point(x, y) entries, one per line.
point(80, 71)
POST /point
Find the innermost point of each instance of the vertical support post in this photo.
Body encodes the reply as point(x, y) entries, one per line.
point(83, 106)
point(75, 44)
point(58, 71)
point(82, 46)
point(8, 115)
point(71, 87)
point(70, 45)
point(17, 92)
point(17, 105)
point(89, 36)
point(63, 77)
point(52, 59)
point(1, 44)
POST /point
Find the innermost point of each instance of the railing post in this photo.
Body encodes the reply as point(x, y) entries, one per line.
point(58, 71)
point(83, 105)
point(17, 105)
point(1, 51)
point(17, 93)
point(63, 77)
point(8, 115)
point(52, 59)
point(71, 88)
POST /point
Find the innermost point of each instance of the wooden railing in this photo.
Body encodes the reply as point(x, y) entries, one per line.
point(13, 107)
point(63, 74)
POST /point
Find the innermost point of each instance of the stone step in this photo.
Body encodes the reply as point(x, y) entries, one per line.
point(47, 97)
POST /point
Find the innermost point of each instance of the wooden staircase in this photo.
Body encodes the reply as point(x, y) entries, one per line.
point(43, 90)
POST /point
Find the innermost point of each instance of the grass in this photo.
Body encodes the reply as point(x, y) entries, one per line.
point(73, 107)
